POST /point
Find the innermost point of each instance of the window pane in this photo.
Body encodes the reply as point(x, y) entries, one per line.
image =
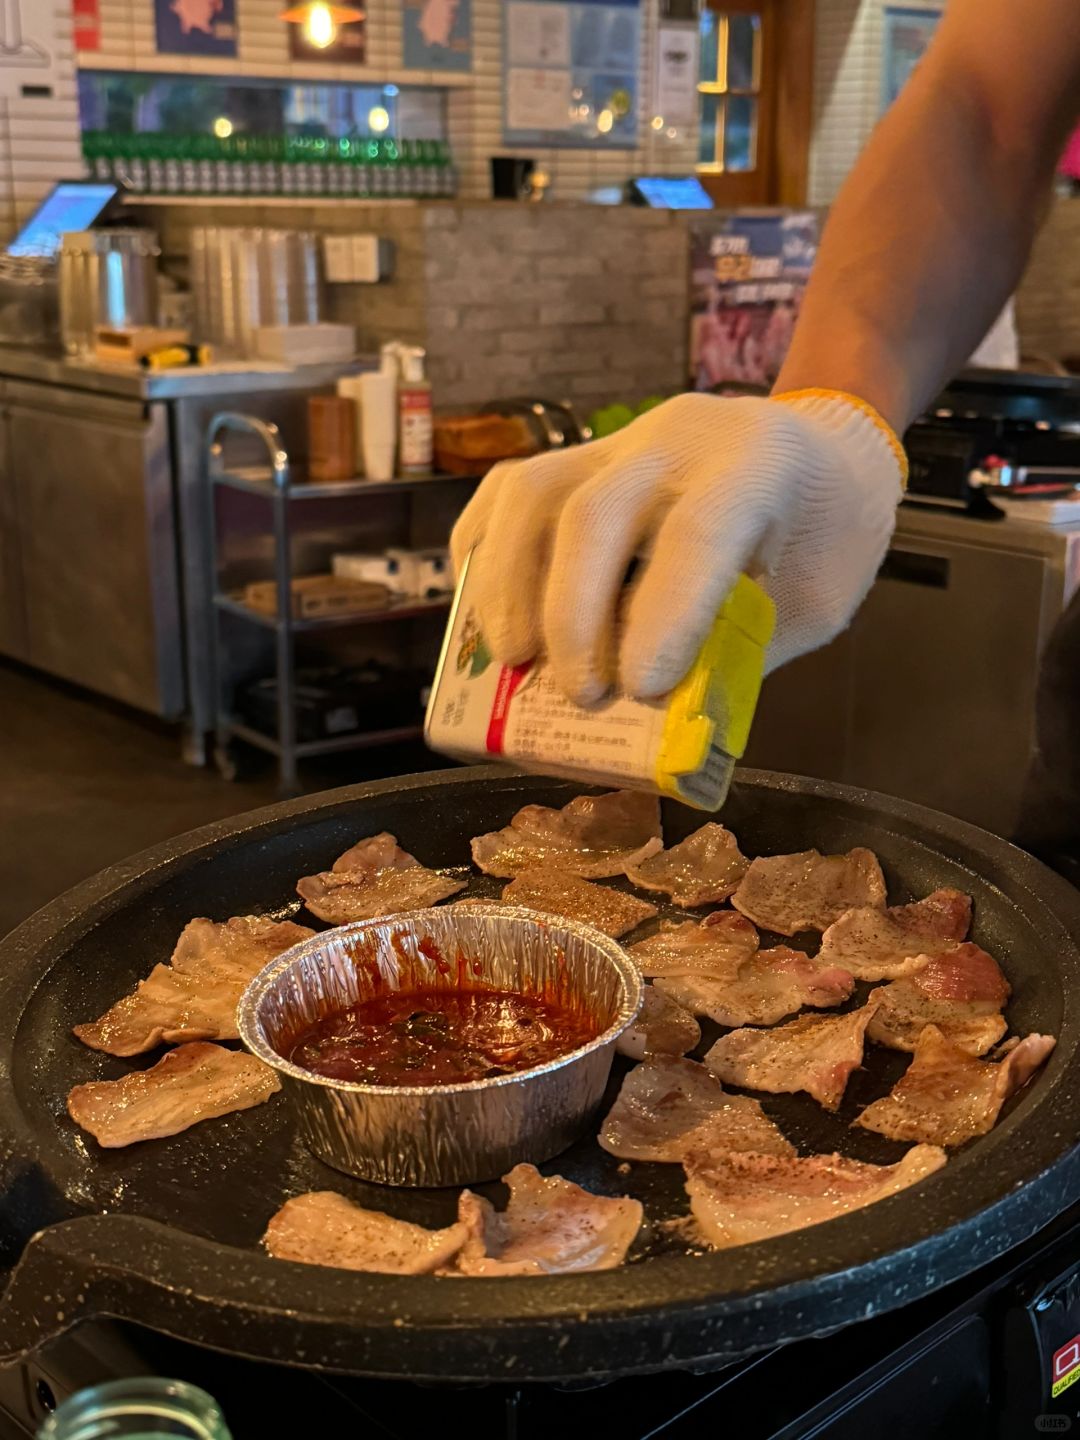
point(744, 37)
point(710, 110)
point(740, 133)
point(710, 29)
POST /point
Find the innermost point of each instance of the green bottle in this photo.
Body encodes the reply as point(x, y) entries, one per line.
point(135, 157)
point(187, 152)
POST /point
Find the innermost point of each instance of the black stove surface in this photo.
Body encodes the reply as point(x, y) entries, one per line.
point(978, 1360)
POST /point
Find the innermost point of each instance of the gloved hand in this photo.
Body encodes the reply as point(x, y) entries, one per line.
point(799, 491)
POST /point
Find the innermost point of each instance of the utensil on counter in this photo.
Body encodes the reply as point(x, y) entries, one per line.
point(244, 279)
point(434, 1135)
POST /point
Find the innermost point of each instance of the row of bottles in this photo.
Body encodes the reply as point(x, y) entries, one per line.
point(270, 165)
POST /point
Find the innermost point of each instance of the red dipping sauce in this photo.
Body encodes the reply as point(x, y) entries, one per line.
point(440, 1037)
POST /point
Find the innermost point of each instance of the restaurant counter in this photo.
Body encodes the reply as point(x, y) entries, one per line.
point(104, 518)
point(931, 692)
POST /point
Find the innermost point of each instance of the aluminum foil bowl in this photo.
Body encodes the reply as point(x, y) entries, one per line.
point(434, 1135)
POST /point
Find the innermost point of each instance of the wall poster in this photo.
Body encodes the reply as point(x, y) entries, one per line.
point(29, 53)
point(570, 72)
point(86, 22)
point(675, 94)
point(747, 277)
point(907, 34)
point(437, 34)
point(196, 27)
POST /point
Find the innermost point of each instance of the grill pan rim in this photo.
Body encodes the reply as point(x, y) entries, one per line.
point(670, 1294)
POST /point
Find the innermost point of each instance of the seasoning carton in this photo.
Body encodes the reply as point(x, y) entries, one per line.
point(684, 745)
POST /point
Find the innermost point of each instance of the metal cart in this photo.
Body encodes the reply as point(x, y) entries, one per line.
point(289, 511)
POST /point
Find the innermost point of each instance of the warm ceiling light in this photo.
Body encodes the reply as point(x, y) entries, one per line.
point(378, 119)
point(604, 121)
point(320, 21)
point(657, 122)
point(223, 127)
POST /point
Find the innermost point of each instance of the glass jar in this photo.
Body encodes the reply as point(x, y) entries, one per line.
point(142, 1408)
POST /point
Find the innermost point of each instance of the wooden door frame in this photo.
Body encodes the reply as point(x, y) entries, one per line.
point(785, 125)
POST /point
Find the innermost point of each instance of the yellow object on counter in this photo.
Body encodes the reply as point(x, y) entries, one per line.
point(684, 745)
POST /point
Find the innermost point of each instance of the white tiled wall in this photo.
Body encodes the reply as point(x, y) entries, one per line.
point(40, 142)
point(475, 100)
point(39, 138)
point(847, 86)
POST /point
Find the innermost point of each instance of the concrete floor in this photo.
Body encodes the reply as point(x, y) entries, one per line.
point(84, 783)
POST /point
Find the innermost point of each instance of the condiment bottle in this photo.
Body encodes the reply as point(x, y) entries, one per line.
point(416, 431)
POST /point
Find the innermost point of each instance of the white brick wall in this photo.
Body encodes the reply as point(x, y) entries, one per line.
point(39, 138)
point(847, 86)
point(475, 103)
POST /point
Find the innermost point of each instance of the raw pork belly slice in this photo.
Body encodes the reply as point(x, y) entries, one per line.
point(666, 1105)
point(662, 1028)
point(195, 1082)
point(808, 891)
point(765, 988)
point(559, 892)
point(961, 992)
point(195, 996)
point(812, 1054)
point(947, 1096)
point(737, 1199)
point(550, 1227)
point(594, 836)
point(703, 869)
point(374, 877)
point(377, 852)
point(716, 946)
point(322, 1228)
point(877, 944)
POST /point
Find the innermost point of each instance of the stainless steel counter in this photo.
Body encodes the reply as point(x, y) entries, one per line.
point(931, 692)
point(224, 379)
point(105, 519)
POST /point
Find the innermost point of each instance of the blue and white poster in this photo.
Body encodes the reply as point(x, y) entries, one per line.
point(570, 72)
point(907, 33)
point(437, 34)
point(196, 27)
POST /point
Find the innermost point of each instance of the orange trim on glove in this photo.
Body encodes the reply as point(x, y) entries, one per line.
point(890, 435)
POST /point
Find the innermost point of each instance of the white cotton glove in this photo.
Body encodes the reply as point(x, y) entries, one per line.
point(799, 491)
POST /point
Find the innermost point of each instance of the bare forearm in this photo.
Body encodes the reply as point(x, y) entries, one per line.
point(930, 235)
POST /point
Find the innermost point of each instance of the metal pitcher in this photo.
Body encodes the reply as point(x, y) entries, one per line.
point(107, 277)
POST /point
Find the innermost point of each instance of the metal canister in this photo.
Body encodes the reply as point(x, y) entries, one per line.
point(107, 277)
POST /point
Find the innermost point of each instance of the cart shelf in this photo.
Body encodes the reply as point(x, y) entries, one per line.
point(403, 610)
point(333, 744)
point(274, 481)
point(260, 480)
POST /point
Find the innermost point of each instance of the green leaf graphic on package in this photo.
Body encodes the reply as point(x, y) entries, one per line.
point(473, 654)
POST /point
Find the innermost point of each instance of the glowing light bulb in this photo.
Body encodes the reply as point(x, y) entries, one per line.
point(657, 122)
point(604, 121)
point(223, 127)
point(319, 27)
point(378, 119)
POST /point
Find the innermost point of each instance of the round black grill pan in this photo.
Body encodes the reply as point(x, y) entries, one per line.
point(166, 1233)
